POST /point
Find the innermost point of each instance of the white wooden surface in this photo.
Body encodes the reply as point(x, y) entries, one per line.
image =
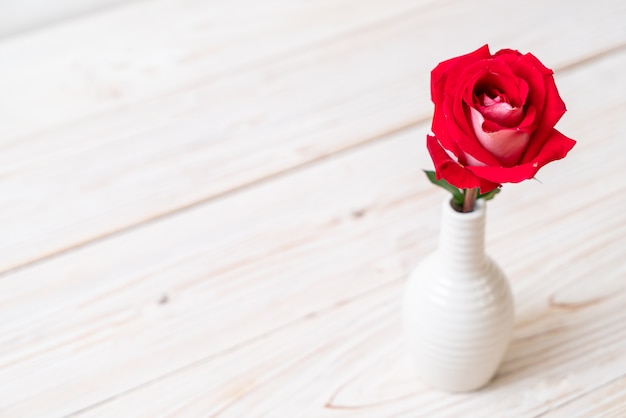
point(19, 15)
point(210, 209)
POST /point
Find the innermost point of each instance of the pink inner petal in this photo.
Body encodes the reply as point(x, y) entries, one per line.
point(507, 145)
point(503, 114)
point(471, 161)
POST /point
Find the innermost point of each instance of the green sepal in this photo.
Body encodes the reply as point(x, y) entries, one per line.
point(457, 194)
point(489, 195)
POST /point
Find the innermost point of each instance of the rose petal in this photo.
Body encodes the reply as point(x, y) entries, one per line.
point(485, 100)
point(459, 126)
point(473, 161)
point(502, 113)
point(553, 110)
point(523, 91)
point(441, 72)
point(528, 123)
point(507, 145)
point(487, 76)
point(453, 172)
point(439, 125)
point(556, 147)
point(456, 134)
point(524, 68)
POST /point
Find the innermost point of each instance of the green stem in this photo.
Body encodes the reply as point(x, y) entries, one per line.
point(470, 199)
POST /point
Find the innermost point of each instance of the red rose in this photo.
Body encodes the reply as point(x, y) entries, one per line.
point(494, 119)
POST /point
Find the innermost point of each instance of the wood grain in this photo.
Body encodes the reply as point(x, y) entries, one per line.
point(280, 299)
point(108, 130)
point(283, 299)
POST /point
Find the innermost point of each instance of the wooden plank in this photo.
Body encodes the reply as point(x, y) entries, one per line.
point(104, 321)
point(203, 128)
point(351, 360)
point(144, 50)
point(196, 260)
point(608, 400)
point(16, 16)
point(122, 179)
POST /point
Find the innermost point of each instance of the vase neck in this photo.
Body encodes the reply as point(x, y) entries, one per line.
point(462, 238)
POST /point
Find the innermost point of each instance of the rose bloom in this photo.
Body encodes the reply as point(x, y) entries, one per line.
point(494, 119)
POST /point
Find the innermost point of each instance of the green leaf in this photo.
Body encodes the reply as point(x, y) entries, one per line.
point(457, 195)
point(489, 195)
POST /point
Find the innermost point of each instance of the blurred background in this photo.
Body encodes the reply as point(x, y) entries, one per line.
point(18, 16)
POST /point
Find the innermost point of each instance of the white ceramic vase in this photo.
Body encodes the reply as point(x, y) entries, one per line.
point(458, 308)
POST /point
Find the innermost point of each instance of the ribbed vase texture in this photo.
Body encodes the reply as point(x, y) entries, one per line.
point(458, 308)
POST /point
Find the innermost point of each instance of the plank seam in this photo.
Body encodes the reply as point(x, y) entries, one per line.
point(221, 195)
point(249, 67)
point(273, 175)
